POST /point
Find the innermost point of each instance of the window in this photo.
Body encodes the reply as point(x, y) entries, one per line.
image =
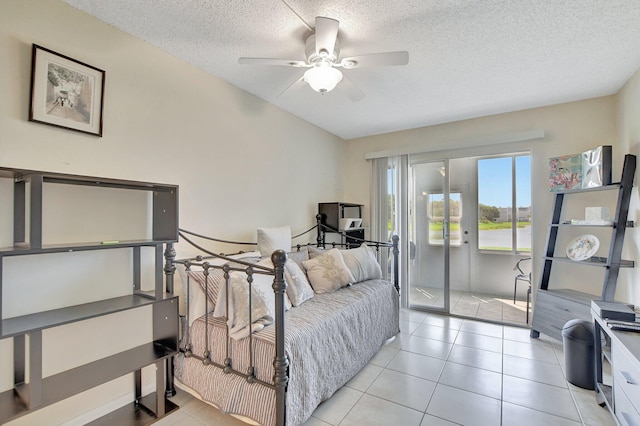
point(504, 203)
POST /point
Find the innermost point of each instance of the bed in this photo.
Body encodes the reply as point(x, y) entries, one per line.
point(257, 345)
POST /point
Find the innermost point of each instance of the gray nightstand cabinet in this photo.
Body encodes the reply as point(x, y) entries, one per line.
point(553, 307)
point(32, 393)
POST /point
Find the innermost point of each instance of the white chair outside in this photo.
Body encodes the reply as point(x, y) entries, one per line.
point(522, 276)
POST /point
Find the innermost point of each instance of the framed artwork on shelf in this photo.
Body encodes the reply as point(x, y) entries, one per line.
point(565, 172)
point(589, 169)
point(596, 167)
point(66, 92)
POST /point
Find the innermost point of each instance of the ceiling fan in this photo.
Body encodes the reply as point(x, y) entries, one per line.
point(323, 51)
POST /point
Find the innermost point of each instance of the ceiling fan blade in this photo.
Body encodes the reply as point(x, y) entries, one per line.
point(293, 86)
point(376, 60)
point(352, 91)
point(326, 34)
point(273, 61)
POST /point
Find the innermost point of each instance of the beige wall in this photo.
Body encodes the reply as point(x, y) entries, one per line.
point(628, 138)
point(241, 163)
point(569, 128)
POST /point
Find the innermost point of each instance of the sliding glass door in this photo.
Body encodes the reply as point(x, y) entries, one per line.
point(429, 235)
point(438, 233)
point(463, 223)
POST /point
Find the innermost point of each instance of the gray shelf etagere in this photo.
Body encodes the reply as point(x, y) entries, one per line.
point(26, 331)
point(554, 307)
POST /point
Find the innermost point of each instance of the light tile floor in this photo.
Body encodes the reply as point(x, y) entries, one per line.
point(443, 370)
point(473, 304)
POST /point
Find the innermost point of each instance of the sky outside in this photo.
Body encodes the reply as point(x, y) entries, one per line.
point(494, 181)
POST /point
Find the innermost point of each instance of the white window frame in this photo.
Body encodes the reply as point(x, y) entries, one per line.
point(514, 208)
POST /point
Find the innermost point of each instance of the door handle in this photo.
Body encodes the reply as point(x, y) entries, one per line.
point(628, 419)
point(628, 377)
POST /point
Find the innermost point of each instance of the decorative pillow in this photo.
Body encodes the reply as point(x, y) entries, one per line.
point(198, 304)
point(195, 296)
point(362, 263)
point(264, 285)
point(298, 288)
point(299, 256)
point(216, 280)
point(328, 272)
point(316, 251)
point(272, 239)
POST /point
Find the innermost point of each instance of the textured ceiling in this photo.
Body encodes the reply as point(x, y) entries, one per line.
point(467, 58)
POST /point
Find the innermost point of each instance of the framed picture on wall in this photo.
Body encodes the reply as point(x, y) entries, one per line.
point(66, 92)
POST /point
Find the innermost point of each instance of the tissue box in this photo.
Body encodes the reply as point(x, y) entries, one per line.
point(596, 213)
point(350, 223)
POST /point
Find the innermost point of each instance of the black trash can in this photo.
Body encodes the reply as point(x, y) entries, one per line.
point(579, 353)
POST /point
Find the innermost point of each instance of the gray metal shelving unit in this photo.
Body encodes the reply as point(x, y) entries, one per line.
point(553, 307)
point(35, 392)
point(331, 213)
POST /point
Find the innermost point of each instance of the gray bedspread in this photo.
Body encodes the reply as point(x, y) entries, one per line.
point(328, 340)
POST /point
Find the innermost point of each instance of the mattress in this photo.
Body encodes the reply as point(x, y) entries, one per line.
point(328, 340)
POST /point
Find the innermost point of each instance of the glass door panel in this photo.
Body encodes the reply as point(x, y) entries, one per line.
point(429, 233)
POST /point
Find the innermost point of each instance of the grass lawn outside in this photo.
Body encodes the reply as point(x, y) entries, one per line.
point(482, 226)
point(488, 240)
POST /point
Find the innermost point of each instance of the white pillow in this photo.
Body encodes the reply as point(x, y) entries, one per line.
point(298, 288)
point(328, 272)
point(362, 263)
point(272, 239)
point(264, 285)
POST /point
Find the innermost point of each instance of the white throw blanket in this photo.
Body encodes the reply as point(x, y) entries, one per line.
point(238, 319)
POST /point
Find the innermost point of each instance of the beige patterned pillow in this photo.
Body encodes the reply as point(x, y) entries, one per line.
point(328, 272)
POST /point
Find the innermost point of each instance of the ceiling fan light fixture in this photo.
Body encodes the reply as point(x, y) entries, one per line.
point(322, 52)
point(323, 77)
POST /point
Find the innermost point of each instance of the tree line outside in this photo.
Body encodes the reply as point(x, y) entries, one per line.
point(487, 216)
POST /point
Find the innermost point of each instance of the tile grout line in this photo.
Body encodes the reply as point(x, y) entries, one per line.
point(347, 414)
